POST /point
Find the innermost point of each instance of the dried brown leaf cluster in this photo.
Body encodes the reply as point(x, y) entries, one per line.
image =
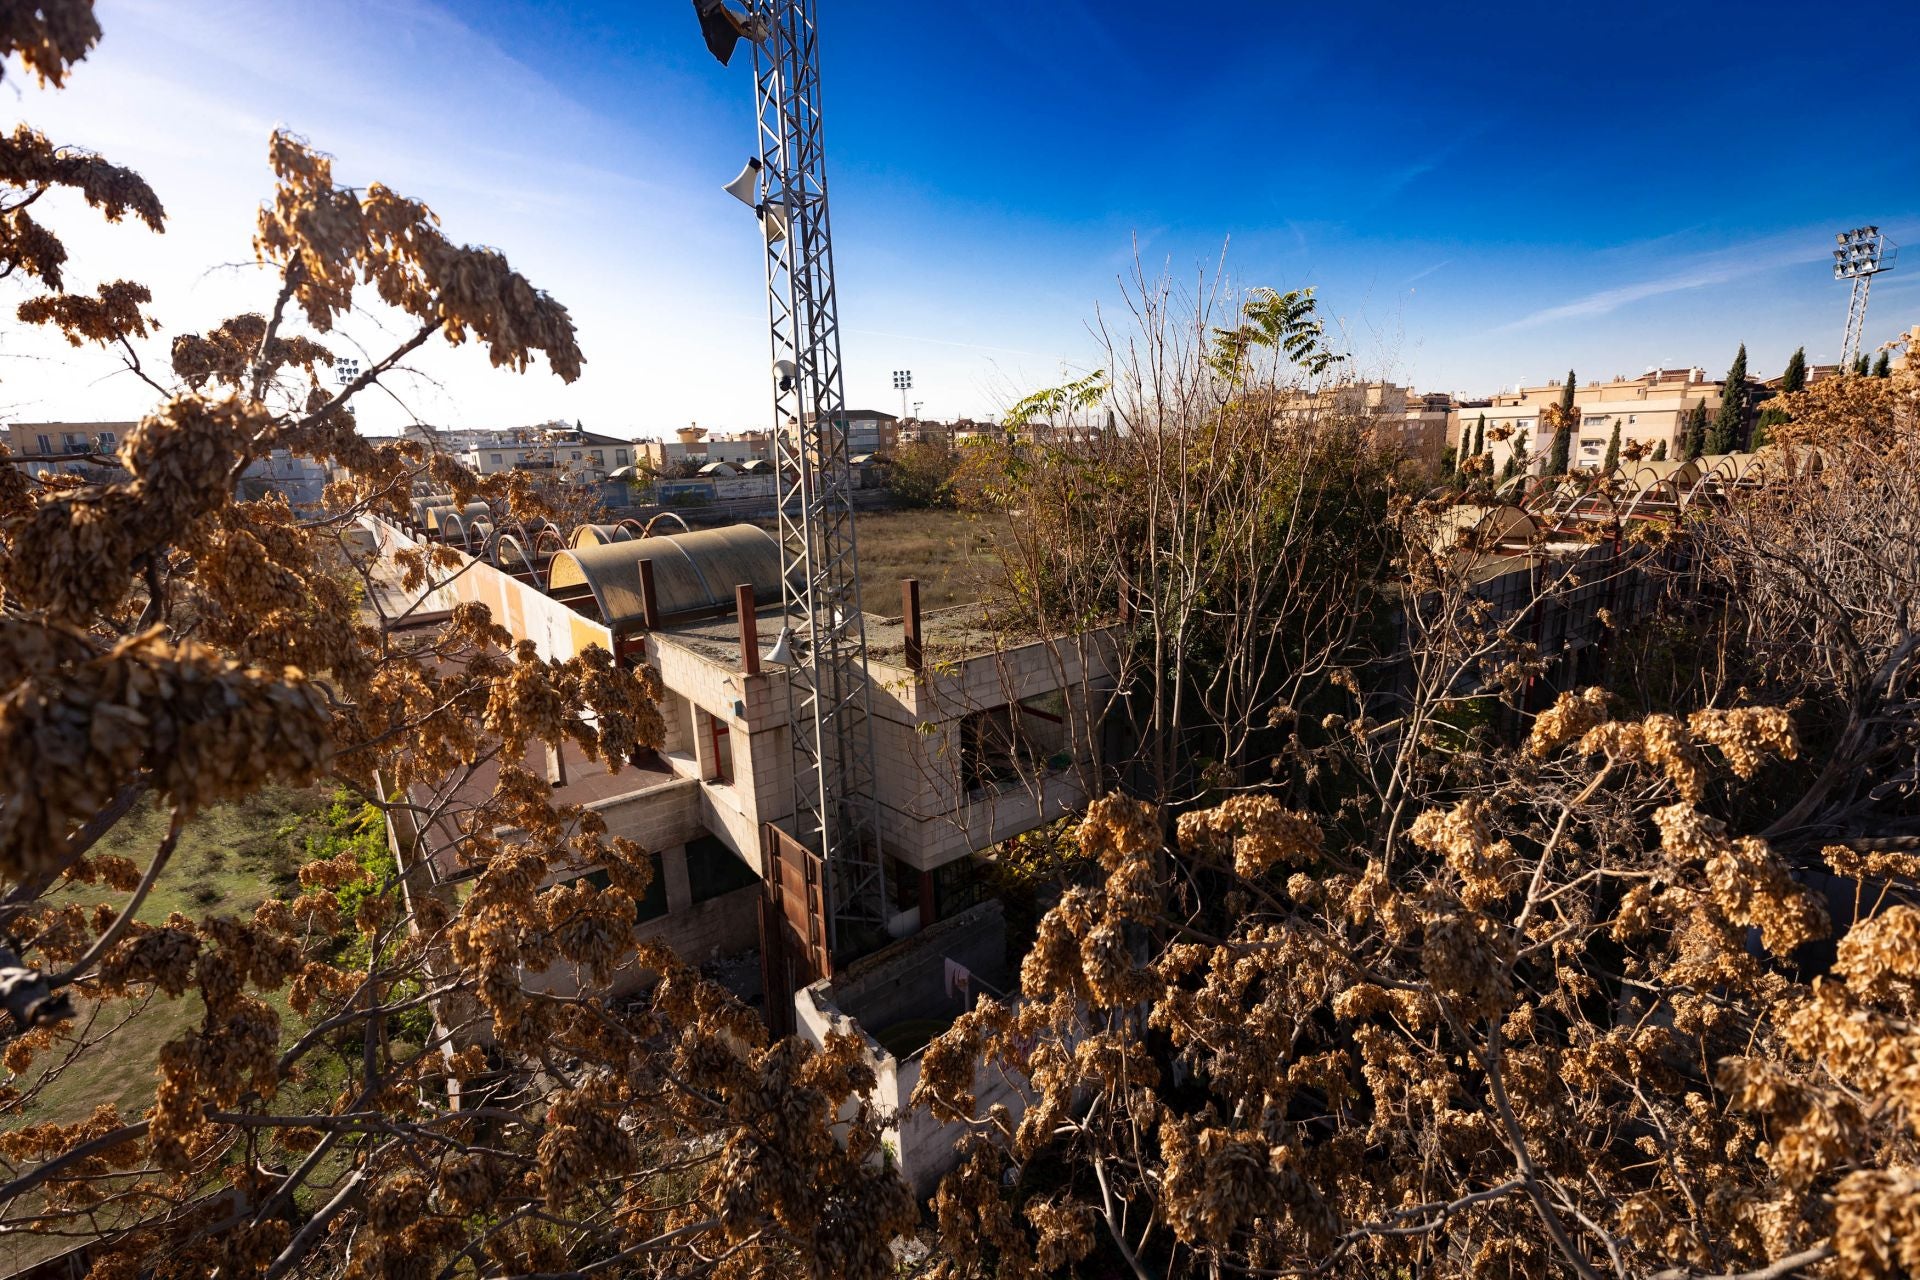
point(30, 166)
point(49, 36)
point(330, 238)
point(1452, 1064)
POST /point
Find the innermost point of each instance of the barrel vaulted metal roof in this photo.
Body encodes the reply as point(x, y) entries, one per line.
point(692, 572)
point(593, 535)
point(437, 516)
point(423, 505)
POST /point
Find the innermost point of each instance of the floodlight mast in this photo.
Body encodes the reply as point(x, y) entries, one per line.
point(1863, 254)
point(903, 383)
point(828, 687)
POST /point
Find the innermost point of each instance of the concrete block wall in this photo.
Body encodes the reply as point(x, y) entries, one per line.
point(698, 931)
point(929, 1149)
point(989, 679)
point(754, 702)
point(656, 817)
point(721, 814)
point(678, 713)
point(932, 840)
point(981, 683)
point(529, 613)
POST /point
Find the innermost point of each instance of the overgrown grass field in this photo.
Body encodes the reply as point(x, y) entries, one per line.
point(954, 555)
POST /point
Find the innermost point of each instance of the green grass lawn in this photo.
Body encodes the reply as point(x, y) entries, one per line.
point(230, 859)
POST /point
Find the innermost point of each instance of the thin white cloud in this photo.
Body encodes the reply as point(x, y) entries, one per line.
point(1721, 267)
point(1400, 179)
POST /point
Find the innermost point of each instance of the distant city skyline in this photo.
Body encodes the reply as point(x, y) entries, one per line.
point(1477, 204)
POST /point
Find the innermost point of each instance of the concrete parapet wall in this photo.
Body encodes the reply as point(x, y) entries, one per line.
point(908, 980)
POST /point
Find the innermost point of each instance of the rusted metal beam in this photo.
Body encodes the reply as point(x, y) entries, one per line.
point(910, 621)
point(649, 598)
point(749, 629)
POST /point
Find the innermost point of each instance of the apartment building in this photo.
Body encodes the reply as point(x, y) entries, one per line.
point(1416, 421)
point(301, 481)
point(89, 449)
point(869, 431)
point(556, 447)
point(1650, 409)
point(66, 440)
point(1423, 423)
point(695, 446)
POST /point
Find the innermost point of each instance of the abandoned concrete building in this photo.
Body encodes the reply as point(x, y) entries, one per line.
point(976, 739)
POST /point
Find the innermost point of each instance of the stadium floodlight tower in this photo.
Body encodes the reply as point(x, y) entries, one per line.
point(903, 383)
point(1863, 253)
point(835, 811)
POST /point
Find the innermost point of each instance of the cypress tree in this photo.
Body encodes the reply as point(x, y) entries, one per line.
point(1731, 422)
point(1770, 417)
point(1693, 432)
point(1795, 378)
point(1660, 452)
point(1562, 432)
point(1883, 367)
point(1613, 450)
point(1480, 435)
point(1860, 364)
point(1516, 456)
point(1449, 461)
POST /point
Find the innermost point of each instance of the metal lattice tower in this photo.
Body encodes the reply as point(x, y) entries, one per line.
point(828, 688)
point(1863, 254)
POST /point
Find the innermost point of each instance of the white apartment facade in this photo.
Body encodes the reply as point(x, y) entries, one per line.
point(1649, 410)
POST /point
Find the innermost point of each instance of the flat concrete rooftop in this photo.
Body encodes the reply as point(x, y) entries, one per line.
point(951, 634)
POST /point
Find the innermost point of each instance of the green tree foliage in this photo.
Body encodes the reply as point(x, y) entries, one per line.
point(1564, 423)
point(352, 826)
point(921, 474)
point(1693, 431)
point(1480, 435)
point(1282, 323)
point(1883, 367)
point(1613, 449)
point(1795, 377)
point(1048, 405)
point(1660, 452)
point(1860, 365)
point(1730, 424)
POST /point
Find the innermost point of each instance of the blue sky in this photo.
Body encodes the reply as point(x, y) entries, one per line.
point(1480, 197)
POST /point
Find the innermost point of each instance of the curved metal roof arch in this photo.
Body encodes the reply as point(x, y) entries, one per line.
point(693, 573)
